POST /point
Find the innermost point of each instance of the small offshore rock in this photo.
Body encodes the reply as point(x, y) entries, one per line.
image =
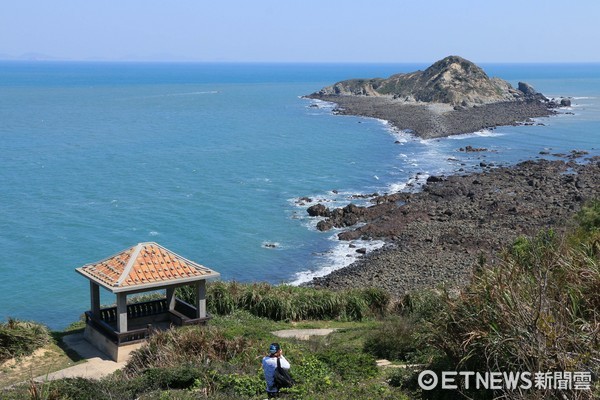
point(434, 178)
point(527, 89)
point(324, 225)
point(318, 210)
point(471, 149)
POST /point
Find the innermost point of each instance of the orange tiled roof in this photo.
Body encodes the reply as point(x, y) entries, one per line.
point(145, 265)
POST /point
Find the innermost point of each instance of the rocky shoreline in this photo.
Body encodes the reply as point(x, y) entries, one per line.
point(440, 234)
point(433, 121)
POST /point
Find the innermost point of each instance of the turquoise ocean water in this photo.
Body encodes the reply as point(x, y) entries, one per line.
point(210, 160)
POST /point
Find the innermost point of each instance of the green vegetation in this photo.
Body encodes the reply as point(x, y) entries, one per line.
point(221, 361)
point(589, 217)
point(291, 303)
point(537, 310)
point(21, 338)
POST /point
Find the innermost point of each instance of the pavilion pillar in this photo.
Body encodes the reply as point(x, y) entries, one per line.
point(171, 298)
point(201, 299)
point(122, 312)
point(95, 299)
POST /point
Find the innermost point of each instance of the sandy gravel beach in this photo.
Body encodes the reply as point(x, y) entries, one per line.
point(427, 122)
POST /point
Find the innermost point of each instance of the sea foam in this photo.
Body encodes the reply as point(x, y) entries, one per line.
point(340, 256)
point(481, 133)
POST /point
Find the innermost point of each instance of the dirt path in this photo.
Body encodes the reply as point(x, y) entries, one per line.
point(97, 365)
point(302, 334)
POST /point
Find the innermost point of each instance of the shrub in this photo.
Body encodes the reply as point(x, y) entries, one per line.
point(188, 294)
point(112, 387)
point(21, 338)
point(423, 305)
point(185, 346)
point(350, 366)
point(286, 302)
point(394, 339)
point(356, 306)
point(378, 300)
point(310, 373)
point(240, 386)
point(76, 388)
point(536, 311)
point(220, 298)
point(317, 304)
point(589, 216)
point(178, 377)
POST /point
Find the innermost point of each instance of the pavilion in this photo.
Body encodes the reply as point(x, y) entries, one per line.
point(147, 267)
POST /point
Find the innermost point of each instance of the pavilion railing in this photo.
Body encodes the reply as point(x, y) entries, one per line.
point(183, 314)
point(136, 310)
point(131, 336)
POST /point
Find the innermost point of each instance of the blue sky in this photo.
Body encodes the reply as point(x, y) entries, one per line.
point(303, 30)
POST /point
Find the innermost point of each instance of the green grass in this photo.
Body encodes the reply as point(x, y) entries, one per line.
point(21, 338)
point(292, 303)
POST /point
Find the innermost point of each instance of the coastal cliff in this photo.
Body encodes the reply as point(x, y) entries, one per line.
point(452, 96)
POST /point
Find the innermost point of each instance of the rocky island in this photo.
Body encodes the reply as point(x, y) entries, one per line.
point(455, 223)
point(452, 96)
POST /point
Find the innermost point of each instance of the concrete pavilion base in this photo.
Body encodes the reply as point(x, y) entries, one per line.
point(108, 347)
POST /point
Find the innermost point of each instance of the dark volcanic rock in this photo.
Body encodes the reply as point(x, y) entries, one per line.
point(433, 178)
point(338, 218)
point(318, 210)
point(324, 225)
point(441, 234)
point(527, 89)
point(471, 149)
point(530, 93)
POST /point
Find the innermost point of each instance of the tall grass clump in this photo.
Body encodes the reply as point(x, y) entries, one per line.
point(222, 298)
point(293, 303)
point(538, 310)
point(401, 336)
point(21, 338)
point(589, 217)
point(190, 346)
point(394, 339)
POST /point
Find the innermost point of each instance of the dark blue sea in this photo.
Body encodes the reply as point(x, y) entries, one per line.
point(210, 161)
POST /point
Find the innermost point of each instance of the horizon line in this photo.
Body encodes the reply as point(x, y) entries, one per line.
point(176, 61)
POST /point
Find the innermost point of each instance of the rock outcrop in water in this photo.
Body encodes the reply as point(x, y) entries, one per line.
point(450, 97)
